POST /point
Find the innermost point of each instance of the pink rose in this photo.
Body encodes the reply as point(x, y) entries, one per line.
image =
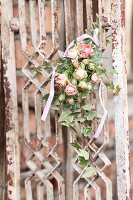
point(95, 78)
point(80, 74)
point(86, 50)
point(70, 90)
point(72, 53)
point(61, 79)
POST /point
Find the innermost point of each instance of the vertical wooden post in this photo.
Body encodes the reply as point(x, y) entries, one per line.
point(120, 101)
point(11, 118)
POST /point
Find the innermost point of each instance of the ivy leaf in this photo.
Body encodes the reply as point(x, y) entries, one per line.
point(114, 89)
point(54, 107)
point(87, 107)
point(101, 71)
point(86, 131)
point(69, 119)
point(84, 153)
point(64, 115)
point(64, 124)
point(82, 161)
point(38, 70)
point(80, 119)
point(84, 94)
point(76, 145)
point(45, 97)
point(89, 172)
point(90, 115)
point(46, 64)
point(117, 90)
point(111, 87)
point(76, 106)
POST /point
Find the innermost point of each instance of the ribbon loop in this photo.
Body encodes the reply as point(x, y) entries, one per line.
point(50, 98)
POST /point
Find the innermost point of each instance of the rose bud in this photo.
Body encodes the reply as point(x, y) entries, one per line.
point(74, 81)
point(89, 86)
point(71, 101)
point(62, 97)
point(80, 74)
point(91, 66)
point(95, 78)
point(85, 61)
point(83, 85)
point(70, 90)
point(86, 50)
point(75, 63)
point(61, 79)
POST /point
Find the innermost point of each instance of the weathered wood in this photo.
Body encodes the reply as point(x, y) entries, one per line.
point(33, 22)
point(79, 16)
point(120, 101)
point(89, 11)
point(2, 136)
point(11, 117)
point(22, 21)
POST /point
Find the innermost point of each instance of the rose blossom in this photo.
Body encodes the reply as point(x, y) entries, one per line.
point(79, 74)
point(86, 50)
point(71, 90)
point(61, 79)
point(72, 53)
point(95, 78)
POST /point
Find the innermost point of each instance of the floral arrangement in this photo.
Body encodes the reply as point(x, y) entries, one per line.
point(78, 74)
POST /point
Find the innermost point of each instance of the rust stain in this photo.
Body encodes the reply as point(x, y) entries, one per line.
point(7, 98)
point(123, 13)
point(10, 179)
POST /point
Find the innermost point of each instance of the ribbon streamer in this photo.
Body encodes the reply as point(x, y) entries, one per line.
point(51, 95)
point(100, 127)
point(83, 37)
point(50, 98)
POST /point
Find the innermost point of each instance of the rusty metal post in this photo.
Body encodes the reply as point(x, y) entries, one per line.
point(120, 102)
point(11, 118)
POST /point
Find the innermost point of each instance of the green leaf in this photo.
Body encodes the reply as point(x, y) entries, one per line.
point(86, 131)
point(84, 94)
point(111, 87)
point(54, 107)
point(117, 90)
point(45, 97)
point(82, 161)
point(80, 119)
point(62, 97)
point(64, 124)
point(87, 107)
point(90, 171)
point(90, 115)
point(38, 70)
point(101, 71)
point(76, 106)
point(64, 115)
point(46, 64)
point(84, 153)
point(69, 119)
point(76, 145)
